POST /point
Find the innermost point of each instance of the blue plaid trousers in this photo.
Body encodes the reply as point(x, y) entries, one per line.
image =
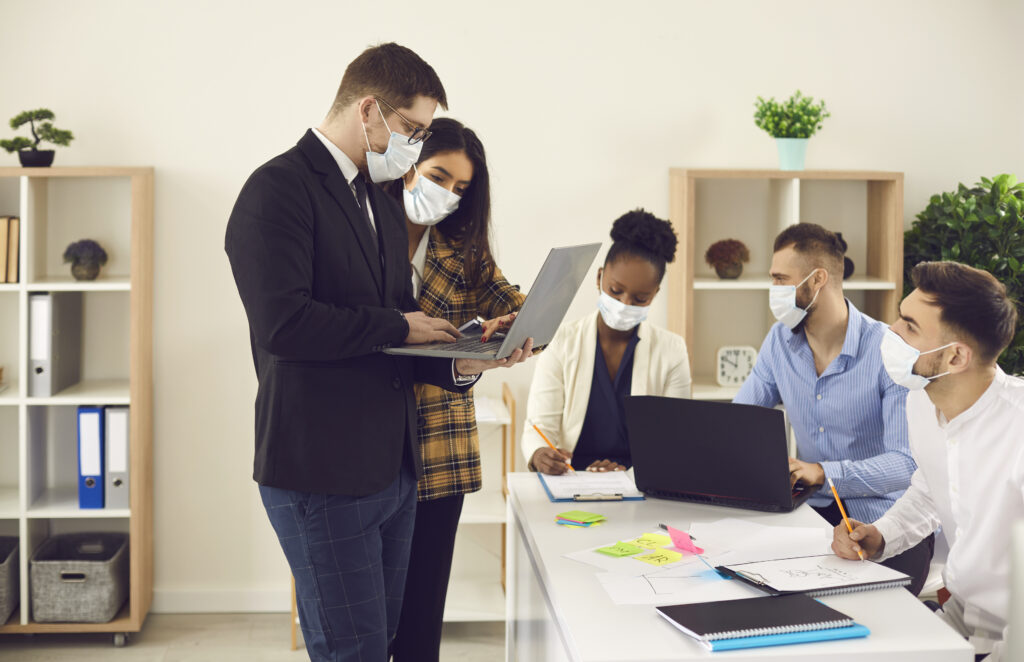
point(349, 556)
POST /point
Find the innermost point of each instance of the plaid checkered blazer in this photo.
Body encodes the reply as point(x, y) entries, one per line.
point(449, 445)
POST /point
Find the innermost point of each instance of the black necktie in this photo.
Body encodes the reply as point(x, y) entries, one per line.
point(364, 206)
point(364, 202)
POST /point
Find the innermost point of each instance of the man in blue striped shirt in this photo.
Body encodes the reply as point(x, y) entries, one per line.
point(822, 362)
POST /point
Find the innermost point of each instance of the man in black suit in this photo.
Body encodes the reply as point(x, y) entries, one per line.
point(319, 258)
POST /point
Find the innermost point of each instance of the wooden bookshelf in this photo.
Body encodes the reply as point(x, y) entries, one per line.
point(753, 206)
point(114, 206)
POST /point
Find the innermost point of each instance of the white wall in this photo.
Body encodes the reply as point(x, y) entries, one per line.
point(583, 106)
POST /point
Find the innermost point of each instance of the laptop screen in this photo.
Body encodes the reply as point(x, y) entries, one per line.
point(711, 449)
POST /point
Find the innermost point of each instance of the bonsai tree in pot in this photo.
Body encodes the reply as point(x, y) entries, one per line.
point(28, 150)
point(791, 123)
point(983, 227)
point(727, 257)
point(86, 258)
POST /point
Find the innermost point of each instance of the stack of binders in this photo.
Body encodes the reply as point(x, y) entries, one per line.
point(103, 470)
point(9, 235)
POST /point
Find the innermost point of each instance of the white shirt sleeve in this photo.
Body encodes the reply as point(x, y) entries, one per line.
point(910, 520)
point(546, 402)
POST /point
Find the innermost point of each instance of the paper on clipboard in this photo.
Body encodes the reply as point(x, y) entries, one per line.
point(591, 485)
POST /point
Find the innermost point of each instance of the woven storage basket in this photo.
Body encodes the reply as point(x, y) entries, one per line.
point(9, 587)
point(79, 578)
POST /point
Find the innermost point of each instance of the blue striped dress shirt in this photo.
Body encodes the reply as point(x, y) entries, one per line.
point(852, 419)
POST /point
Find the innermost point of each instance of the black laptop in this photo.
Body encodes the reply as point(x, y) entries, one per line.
point(711, 452)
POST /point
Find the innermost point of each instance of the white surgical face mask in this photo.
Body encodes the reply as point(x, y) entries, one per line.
point(782, 301)
point(899, 358)
point(617, 315)
point(428, 203)
point(396, 159)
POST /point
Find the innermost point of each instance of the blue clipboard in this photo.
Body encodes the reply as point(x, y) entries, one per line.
point(586, 497)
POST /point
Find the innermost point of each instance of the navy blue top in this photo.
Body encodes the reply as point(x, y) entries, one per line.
point(603, 436)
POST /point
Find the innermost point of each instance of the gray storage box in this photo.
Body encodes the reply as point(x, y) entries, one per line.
point(9, 586)
point(79, 578)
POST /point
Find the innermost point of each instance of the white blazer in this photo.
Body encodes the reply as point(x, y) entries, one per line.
point(560, 390)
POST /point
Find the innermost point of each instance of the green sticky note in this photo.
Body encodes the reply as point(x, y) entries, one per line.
point(652, 541)
point(660, 557)
point(621, 549)
point(581, 516)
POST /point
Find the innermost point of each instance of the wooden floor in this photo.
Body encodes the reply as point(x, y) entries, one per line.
point(223, 638)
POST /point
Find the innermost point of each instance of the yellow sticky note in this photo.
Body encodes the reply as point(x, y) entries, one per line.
point(620, 549)
point(660, 557)
point(652, 541)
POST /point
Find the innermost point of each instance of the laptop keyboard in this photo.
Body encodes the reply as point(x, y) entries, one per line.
point(473, 344)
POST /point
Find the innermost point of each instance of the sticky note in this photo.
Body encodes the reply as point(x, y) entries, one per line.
point(681, 539)
point(620, 549)
point(581, 516)
point(652, 541)
point(660, 557)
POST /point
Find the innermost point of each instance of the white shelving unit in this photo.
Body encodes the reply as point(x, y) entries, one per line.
point(475, 591)
point(38, 435)
point(754, 206)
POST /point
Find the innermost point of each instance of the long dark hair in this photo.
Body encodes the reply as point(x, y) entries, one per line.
point(469, 225)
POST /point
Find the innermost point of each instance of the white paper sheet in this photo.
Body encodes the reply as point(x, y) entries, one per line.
point(817, 572)
point(657, 590)
point(587, 483)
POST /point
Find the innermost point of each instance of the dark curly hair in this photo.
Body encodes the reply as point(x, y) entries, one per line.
point(641, 234)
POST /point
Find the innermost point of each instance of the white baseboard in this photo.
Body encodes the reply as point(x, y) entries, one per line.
point(208, 601)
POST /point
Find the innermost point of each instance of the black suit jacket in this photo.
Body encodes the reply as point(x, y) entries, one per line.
point(334, 415)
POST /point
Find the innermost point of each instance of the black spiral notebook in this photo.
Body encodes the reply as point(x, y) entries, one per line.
point(709, 622)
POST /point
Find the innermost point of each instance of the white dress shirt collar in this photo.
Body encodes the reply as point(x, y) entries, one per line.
point(348, 168)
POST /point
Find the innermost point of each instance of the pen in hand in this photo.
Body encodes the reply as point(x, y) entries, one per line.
point(548, 442)
point(843, 511)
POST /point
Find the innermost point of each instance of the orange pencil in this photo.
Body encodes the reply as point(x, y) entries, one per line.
point(548, 442)
point(843, 511)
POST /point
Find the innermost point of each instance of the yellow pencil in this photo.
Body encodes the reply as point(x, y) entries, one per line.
point(548, 442)
point(843, 511)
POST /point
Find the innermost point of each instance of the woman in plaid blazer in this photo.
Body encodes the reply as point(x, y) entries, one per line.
point(447, 202)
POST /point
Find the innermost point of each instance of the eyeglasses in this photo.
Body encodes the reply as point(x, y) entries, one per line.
point(417, 134)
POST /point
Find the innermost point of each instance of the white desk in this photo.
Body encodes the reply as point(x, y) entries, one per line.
point(556, 609)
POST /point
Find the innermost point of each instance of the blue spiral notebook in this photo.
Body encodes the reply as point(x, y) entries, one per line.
point(761, 622)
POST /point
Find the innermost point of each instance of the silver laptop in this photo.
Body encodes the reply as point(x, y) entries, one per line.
point(545, 307)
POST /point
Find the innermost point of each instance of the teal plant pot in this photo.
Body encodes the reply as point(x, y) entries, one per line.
point(791, 153)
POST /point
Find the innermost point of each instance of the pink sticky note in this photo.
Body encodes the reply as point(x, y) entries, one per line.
point(681, 539)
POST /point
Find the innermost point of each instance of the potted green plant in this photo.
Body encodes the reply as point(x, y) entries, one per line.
point(791, 123)
point(983, 227)
point(86, 258)
point(727, 257)
point(28, 150)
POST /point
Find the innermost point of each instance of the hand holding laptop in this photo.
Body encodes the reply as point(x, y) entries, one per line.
point(467, 367)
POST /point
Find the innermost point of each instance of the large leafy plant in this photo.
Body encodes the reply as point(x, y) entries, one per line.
point(796, 117)
point(982, 227)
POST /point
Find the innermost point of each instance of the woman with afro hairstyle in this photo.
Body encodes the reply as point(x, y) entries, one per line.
point(591, 365)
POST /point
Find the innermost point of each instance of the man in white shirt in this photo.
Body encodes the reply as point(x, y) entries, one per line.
point(965, 417)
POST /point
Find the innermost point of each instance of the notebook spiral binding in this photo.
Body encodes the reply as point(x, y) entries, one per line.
point(858, 589)
point(785, 629)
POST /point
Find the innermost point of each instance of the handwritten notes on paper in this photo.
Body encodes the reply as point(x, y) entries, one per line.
point(652, 541)
point(660, 557)
point(620, 549)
